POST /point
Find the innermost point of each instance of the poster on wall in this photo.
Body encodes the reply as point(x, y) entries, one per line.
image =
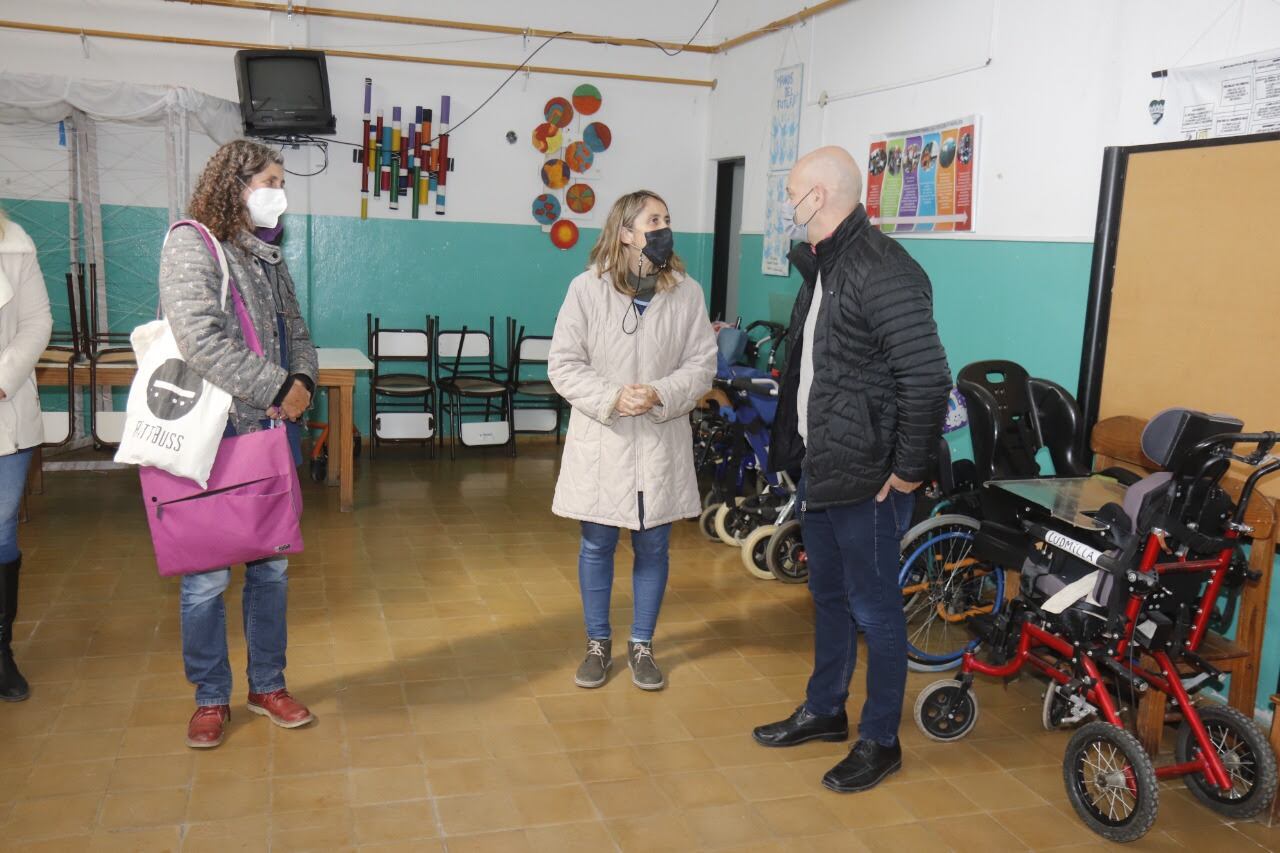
point(924, 179)
point(784, 126)
point(777, 232)
point(1233, 97)
point(784, 145)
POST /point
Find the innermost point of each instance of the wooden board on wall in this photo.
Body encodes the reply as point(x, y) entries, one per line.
point(1195, 304)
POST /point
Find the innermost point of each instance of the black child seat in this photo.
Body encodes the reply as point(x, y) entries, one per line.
point(1012, 416)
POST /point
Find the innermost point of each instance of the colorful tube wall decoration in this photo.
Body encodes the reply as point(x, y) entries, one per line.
point(404, 160)
point(570, 145)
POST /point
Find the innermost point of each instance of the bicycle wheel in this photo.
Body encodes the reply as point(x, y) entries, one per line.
point(944, 584)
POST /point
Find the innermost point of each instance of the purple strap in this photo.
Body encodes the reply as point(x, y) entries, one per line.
point(246, 323)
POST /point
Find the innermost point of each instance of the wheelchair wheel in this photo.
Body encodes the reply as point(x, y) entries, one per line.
point(1246, 754)
point(754, 550)
point(1055, 709)
point(936, 721)
point(707, 522)
point(785, 554)
point(944, 584)
point(1111, 782)
point(727, 523)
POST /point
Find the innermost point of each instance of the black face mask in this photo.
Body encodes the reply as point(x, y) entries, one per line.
point(659, 245)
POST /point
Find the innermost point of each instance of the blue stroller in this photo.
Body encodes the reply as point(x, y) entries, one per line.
point(747, 503)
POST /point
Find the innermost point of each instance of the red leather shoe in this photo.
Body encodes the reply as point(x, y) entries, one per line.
point(281, 708)
point(205, 731)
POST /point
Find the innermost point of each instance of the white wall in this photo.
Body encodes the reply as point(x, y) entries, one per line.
point(1064, 81)
point(658, 130)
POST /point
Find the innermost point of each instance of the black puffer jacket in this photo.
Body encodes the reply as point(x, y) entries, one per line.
point(880, 380)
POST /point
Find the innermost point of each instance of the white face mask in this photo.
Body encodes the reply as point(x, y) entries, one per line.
point(265, 206)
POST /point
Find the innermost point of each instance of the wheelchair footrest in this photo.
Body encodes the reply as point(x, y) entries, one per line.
point(984, 626)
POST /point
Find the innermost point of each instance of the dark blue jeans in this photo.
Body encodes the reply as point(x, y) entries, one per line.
point(648, 576)
point(13, 481)
point(853, 577)
point(204, 629)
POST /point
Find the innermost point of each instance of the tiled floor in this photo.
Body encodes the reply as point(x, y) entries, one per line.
point(435, 632)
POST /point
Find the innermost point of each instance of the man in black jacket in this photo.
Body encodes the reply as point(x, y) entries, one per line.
point(863, 399)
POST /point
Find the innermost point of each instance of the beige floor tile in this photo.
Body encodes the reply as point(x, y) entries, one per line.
point(52, 817)
point(152, 807)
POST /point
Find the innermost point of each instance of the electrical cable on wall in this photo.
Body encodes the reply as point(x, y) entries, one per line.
point(454, 128)
point(692, 38)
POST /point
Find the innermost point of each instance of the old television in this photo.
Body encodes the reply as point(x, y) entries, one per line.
point(284, 92)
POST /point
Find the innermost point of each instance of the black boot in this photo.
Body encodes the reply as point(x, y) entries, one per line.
point(13, 687)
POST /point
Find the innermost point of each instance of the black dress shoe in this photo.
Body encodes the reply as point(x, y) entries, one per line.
point(802, 727)
point(866, 766)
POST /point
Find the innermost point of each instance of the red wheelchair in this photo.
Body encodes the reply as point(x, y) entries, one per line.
point(1116, 591)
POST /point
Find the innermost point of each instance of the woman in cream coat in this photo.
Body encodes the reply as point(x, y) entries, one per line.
point(632, 352)
point(25, 324)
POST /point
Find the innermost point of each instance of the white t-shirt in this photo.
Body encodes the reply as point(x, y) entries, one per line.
point(806, 362)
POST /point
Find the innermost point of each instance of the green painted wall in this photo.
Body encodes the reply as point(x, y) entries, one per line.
point(993, 299)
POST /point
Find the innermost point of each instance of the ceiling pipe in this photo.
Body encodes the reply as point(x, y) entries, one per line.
point(81, 32)
point(621, 41)
point(379, 17)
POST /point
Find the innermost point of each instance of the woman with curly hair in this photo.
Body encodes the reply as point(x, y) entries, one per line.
point(239, 198)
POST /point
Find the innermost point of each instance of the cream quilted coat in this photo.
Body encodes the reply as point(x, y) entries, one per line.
point(609, 459)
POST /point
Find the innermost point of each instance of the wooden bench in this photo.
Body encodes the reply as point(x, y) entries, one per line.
point(1117, 442)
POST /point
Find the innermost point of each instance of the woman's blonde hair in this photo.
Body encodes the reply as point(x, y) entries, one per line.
point(609, 255)
point(218, 200)
point(3, 220)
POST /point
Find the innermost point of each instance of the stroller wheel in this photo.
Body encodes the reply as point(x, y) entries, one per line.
point(755, 550)
point(942, 714)
point(725, 523)
point(1245, 753)
point(1111, 782)
point(785, 554)
point(707, 522)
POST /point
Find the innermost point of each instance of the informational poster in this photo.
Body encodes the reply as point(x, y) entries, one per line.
point(777, 239)
point(924, 180)
point(1233, 97)
point(784, 146)
point(784, 126)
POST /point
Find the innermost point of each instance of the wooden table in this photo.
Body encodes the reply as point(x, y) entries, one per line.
point(338, 368)
point(1117, 442)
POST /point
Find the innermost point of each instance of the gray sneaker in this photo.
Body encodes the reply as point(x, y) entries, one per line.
point(644, 669)
point(595, 666)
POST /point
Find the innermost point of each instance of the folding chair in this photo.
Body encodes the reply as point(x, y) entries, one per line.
point(402, 401)
point(471, 382)
point(542, 409)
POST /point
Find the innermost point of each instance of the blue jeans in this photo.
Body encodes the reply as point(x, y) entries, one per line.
point(13, 482)
point(853, 578)
point(204, 629)
point(648, 576)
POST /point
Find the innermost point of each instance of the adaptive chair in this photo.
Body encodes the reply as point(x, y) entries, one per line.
point(1116, 592)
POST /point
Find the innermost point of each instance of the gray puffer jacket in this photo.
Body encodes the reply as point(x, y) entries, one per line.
point(209, 335)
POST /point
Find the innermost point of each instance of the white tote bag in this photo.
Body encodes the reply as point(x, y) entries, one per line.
point(175, 419)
